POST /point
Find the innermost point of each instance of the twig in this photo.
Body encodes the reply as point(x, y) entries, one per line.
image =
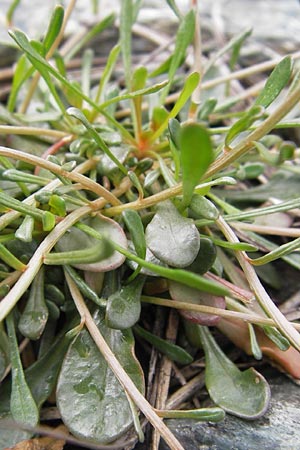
point(262, 297)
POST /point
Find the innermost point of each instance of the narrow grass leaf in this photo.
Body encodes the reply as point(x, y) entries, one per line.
point(109, 67)
point(102, 411)
point(244, 123)
point(276, 82)
point(135, 227)
point(74, 112)
point(255, 348)
point(174, 7)
point(276, 337)
point(54, 27)
point(190, 85)
point(196, 156)
point(213, 414)
point(22, 405)
point(184, 37)
point(172, 351)
point(247, 394)
point(126, 21)
point(94, 31)
point(8, 258)
point(23, 70)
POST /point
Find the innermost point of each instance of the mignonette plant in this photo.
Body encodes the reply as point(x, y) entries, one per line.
point(130, 205)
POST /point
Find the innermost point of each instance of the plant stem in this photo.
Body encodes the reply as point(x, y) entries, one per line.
point(118, 370)
point(262, 297)
point(248, 317)
point(33, 266)
point(32, 131)
point(73, 176)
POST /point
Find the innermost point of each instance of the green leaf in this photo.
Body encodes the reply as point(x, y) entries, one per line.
point(244, 123)
point(186, 294)
point(22, 405)
point(172, 351)
point(276, 82)
point(126, 21)
point(109, 67)
point(172, 238)
point(174, 8)
point(124, 306)
point(196, 156)
point(84, 288)
point(74, 112)
point(203, 208)
point(205, 258)
point(35, 315)
point(102, 411)
point(54, 27)
point(190, 85)
point(201, 414)
point(182, 276)
point(8, 258)
point(255, 348)
point(4, 351)
point(23, 71)
point(82, 251)
point(94, 31)
point(184, 37)
point(275, 336)
point(243, 394)
point(135, 227)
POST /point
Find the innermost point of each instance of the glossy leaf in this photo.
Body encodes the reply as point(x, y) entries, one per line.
point(172, 351)
point(92, 403)
point(172, 238)
point(276, 82)
point(34, 317)
point(135, 227)
point(25, 230)
point(201, 414)
point(196, 155)
point(84, 288)
point(186, 294)
point(22, 405)
point(201, 207)
point(78, 241)
point(243, 394)
point(205, 258)
point(124, 306)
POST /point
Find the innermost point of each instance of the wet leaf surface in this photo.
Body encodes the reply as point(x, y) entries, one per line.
point(171, 237)
point(243, 394)
point(91, 401)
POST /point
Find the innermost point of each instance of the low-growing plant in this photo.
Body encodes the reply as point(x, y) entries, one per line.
point(125, 201)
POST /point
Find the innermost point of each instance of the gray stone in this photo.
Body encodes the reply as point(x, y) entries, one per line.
point(277, 430)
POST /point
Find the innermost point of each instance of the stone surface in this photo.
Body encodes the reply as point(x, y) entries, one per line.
point(277, 430)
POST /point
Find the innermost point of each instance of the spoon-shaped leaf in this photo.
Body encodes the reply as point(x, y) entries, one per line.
point(91, 400)
point(172, 238)
point(22, 405)
point(124, 306)
point(183, 293)
point(196, 155)
point(35, 315)
point(243, 394)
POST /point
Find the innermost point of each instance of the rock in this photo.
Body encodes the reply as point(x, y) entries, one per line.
point(277, 430)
